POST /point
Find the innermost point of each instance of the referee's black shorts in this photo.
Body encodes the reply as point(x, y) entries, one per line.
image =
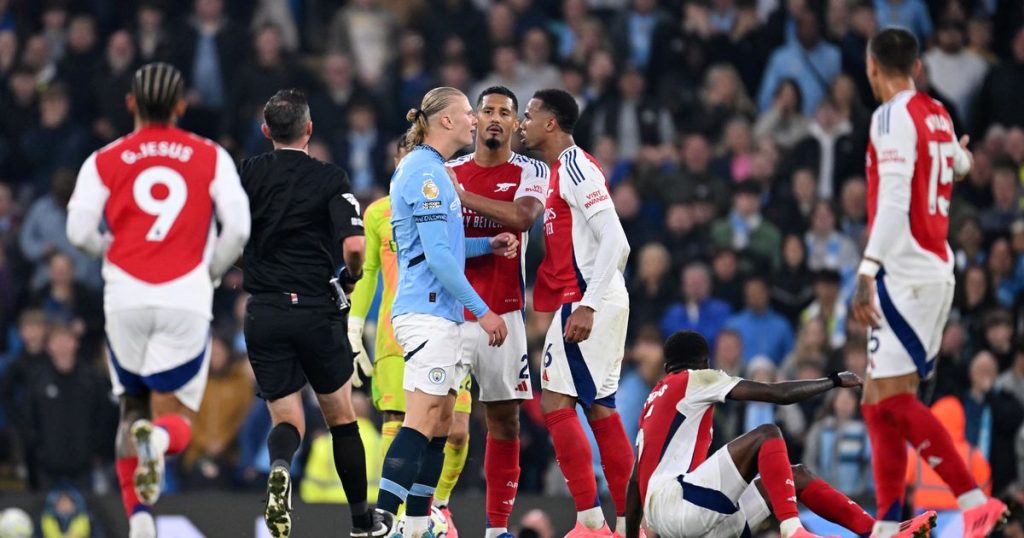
point(292, 344)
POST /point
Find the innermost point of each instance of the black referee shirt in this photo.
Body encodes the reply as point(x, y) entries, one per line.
point(301, 211)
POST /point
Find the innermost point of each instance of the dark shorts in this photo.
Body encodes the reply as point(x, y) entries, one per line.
point(290, 345)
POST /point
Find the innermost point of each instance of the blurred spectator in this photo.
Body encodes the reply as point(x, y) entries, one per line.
point(955, 71)
point(633, 119)
point(698, 311)
point(853, 220)
point(979, 39)
point(764, 331)
point(998, 101)
point(993, 418)
point(8, 52)
point(634, 221)
point(761, 369)
point(78, 64)
point(723, 97)
point(226, 402)
point(66, 402)
point(784, 120)
point(66, 301)
point(929, 491)
point(30, 356)
point(537, 69)
point(810, 61)
point(647, 369)
point(208, 48)
point(736, 150)
point(950, 366)
point(911, 14)
point(55, 28)
point(253, 83)
point(1005, 208)
point(812, 346)
point(39, 59)
point(57, 142)
point(43, 234)
point(1011, 381)
point(21, 113)
point(828, 307)
point(65, 515)
point(639, 33)
point(976, 189)
point(150, 33)
point(726, 280)
point(838, 449)
point(973, 299)
point(362, 152)
point(792, 286)
point(746, 230)
point(827, 248)
point(365, 31)
point(652, 287)
point(728, 354)
point(829, 150)
point(110, 83)
point(685, 239)
point(792, 211)
point(506, 72)
point(412, 77)
point(693, 179)
point(337, 91)
point(1001, 272)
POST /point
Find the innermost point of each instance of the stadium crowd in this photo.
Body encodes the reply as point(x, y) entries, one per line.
point(732, 134)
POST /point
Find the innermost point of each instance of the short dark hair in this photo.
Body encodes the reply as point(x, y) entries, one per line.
point(286, 115)
point(157, 88)
point(895, 49)
point(562, 106)
point(499, 90)
point(686, 350)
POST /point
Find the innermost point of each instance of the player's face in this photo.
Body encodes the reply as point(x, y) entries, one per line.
point(496, 120)
point(463, 121)
point(534, 124)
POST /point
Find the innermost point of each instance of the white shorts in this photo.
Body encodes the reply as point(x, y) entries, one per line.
point(713, 500)
point(433, 353)
point(910, 333)
point(590, 369)
point(159, 350)
point(502, 373)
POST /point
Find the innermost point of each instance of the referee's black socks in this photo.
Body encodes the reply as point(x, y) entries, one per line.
point(283, 441)
point(350, 462)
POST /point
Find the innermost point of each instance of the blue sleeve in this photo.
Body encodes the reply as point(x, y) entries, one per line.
point(433, 234)
point(477, 246)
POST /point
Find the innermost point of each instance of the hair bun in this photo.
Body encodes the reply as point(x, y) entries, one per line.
point(412, 115)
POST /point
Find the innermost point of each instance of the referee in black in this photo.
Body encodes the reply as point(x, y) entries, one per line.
point(305, 222)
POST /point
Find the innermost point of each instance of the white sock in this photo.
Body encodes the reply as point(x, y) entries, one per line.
point(415, 526)
point(160, 439)
point(591, 518)
point(141, 525)
point(440, 503)
point(885, 529)
point(620, 525)
point(971, 499)
point(495, 532)
point(790, 526)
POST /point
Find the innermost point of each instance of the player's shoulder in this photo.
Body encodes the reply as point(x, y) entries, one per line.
point(579, 166)
point(460, 161)
point(378, 207)
point(530, 167)
point(894, 116)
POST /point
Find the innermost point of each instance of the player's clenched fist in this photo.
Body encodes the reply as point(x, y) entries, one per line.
point(505, 244)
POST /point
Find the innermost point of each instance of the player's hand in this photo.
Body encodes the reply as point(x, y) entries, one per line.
point(964, 140)
point(361, 360)
point(455, 180)
point(495, 328)
point(579, 325)
point(864, 309)
point(849, 380)
point(504, 244)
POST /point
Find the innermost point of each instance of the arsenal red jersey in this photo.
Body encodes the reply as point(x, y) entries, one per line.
point(157, 188)
point(498, 280)
point(675, 424)
point(910, 166)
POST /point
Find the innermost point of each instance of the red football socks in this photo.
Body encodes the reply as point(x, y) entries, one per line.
point(616, 457)
point(178, 430)
point(777, 477)
point(931, 439)
point(501, 468)
point(889, 460)
point(126, 480)
point(831, 504)
point(572, 450)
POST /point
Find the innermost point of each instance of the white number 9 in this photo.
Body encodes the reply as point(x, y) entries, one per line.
point(165, 210)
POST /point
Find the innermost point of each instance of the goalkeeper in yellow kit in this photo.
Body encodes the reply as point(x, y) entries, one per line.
point(387, 369)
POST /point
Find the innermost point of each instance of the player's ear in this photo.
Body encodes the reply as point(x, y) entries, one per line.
point(129, 103)
point(916, 70)
point(266, 132)
point(180, 107)
point(309, 128)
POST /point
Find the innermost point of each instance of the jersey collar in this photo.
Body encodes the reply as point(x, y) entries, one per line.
point(567, 150)
point(432, 150)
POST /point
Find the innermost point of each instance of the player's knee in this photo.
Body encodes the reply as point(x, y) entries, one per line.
point(458, 437)
point(765, 432)
point(394, 416)
point(552, 401)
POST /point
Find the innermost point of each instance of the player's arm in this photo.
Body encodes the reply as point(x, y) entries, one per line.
point(85, 210)
point(634, 504)
point(347, 225)
point(503, 244)
point(523, 211)
point(232, 207)
point(790, 392)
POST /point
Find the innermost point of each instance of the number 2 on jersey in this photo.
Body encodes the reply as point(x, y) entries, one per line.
point(941, 154)
point(165, 209)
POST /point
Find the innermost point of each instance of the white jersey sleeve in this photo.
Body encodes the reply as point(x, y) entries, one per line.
point(534, 182)
point(85, 210)
point(707, 386)
point(894, 137)
point(583, 187)
point(232, 207)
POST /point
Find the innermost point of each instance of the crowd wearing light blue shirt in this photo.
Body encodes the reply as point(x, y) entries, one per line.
point(795, 62)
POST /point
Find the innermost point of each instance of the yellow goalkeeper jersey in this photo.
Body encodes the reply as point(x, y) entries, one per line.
point(381, 257)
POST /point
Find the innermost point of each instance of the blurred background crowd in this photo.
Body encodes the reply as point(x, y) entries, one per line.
point(732, 133)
